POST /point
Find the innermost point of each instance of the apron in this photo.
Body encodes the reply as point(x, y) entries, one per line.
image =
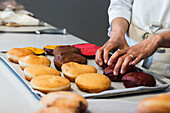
point(150, 17)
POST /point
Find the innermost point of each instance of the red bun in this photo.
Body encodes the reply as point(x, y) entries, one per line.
point(108, 71)
point(87, 50)
point(135, 79)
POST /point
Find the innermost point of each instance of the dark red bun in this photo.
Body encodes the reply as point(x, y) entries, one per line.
point(135, 79)
point(108, 71)
point(87, 50)
point(114, 78)
point(104, 66)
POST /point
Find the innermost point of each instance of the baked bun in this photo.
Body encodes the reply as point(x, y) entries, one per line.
point(38, 51)
point(49, 49)
point(65, 100)
point(72, 70)
point(50, 83)
point(65, 54)
point(16, 53)
point(93, 82)
point(135, 79)
point(34, 60)
point(59, 50)
point(37, 70)
point(108, 71)
point(87, 50)
point(54, 110)
point(158, 104)
point(59, 60)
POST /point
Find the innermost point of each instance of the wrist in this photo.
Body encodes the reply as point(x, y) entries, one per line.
point(159, 40)
point(117, 34)
point(118, 30)
point(119, 25)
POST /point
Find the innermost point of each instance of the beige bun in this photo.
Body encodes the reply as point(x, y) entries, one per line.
point(33, 60)
point(50, 83)
point(38, 70)
point(93, 82)
point(66, 100)
point(16, 53)
point(158, 104)
point(54, 110)
point(72, 70)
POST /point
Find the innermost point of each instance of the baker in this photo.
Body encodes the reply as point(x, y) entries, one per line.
point(140, 30)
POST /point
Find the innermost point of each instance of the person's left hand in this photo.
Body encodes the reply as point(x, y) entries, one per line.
point(133, 55)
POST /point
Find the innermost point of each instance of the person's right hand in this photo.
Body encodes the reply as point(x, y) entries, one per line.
point(117, 41)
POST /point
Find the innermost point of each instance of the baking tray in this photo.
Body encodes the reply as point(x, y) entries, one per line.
point(116, 89)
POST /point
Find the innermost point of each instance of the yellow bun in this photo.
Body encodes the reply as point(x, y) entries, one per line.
point(65, 100)
point(38, 51)
point(54, 110)
point(16, 53)
point(72, 70)
point(51, 46)
point(158, 104)
point(49, 49)
point(93, 82)
point(33, 60)
point(50, 83)
point(37, 70)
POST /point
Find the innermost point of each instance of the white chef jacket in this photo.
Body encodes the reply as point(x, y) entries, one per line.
point(146, 18)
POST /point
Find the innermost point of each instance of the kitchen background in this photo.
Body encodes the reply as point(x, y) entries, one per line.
point(86, 19)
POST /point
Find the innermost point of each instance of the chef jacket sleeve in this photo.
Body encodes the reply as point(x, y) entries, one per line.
point(119, 8)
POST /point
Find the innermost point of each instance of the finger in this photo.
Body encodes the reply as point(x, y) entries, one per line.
point(126, 62)
point(118, 66)
point(98, 57)
point(106, 55)
point(114, 56)
point(137, 60)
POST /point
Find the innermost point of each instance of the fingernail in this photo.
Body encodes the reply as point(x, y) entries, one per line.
point(130, 63)
point(109, 63)
point(100, 63)
point(105, 61)
point(115, 73)
point(121, 71)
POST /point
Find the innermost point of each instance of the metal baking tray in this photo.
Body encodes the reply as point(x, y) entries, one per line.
point(116, 89)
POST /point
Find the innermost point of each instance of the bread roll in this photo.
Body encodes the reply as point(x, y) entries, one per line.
point(49, 49)
point(158, 104)
point(72, 70)
point(93, 82)
point(65, 54)
point(108, 71)
point(38, 70)
point(38, 51)
point(87, 50)
point(50, 83)
point(65, 100)
point(34, 60)
point(59, 50)
point(16, 53)
point(134, 79)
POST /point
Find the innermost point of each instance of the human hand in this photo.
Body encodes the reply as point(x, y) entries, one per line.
point(116, 41)
point(133, 55)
